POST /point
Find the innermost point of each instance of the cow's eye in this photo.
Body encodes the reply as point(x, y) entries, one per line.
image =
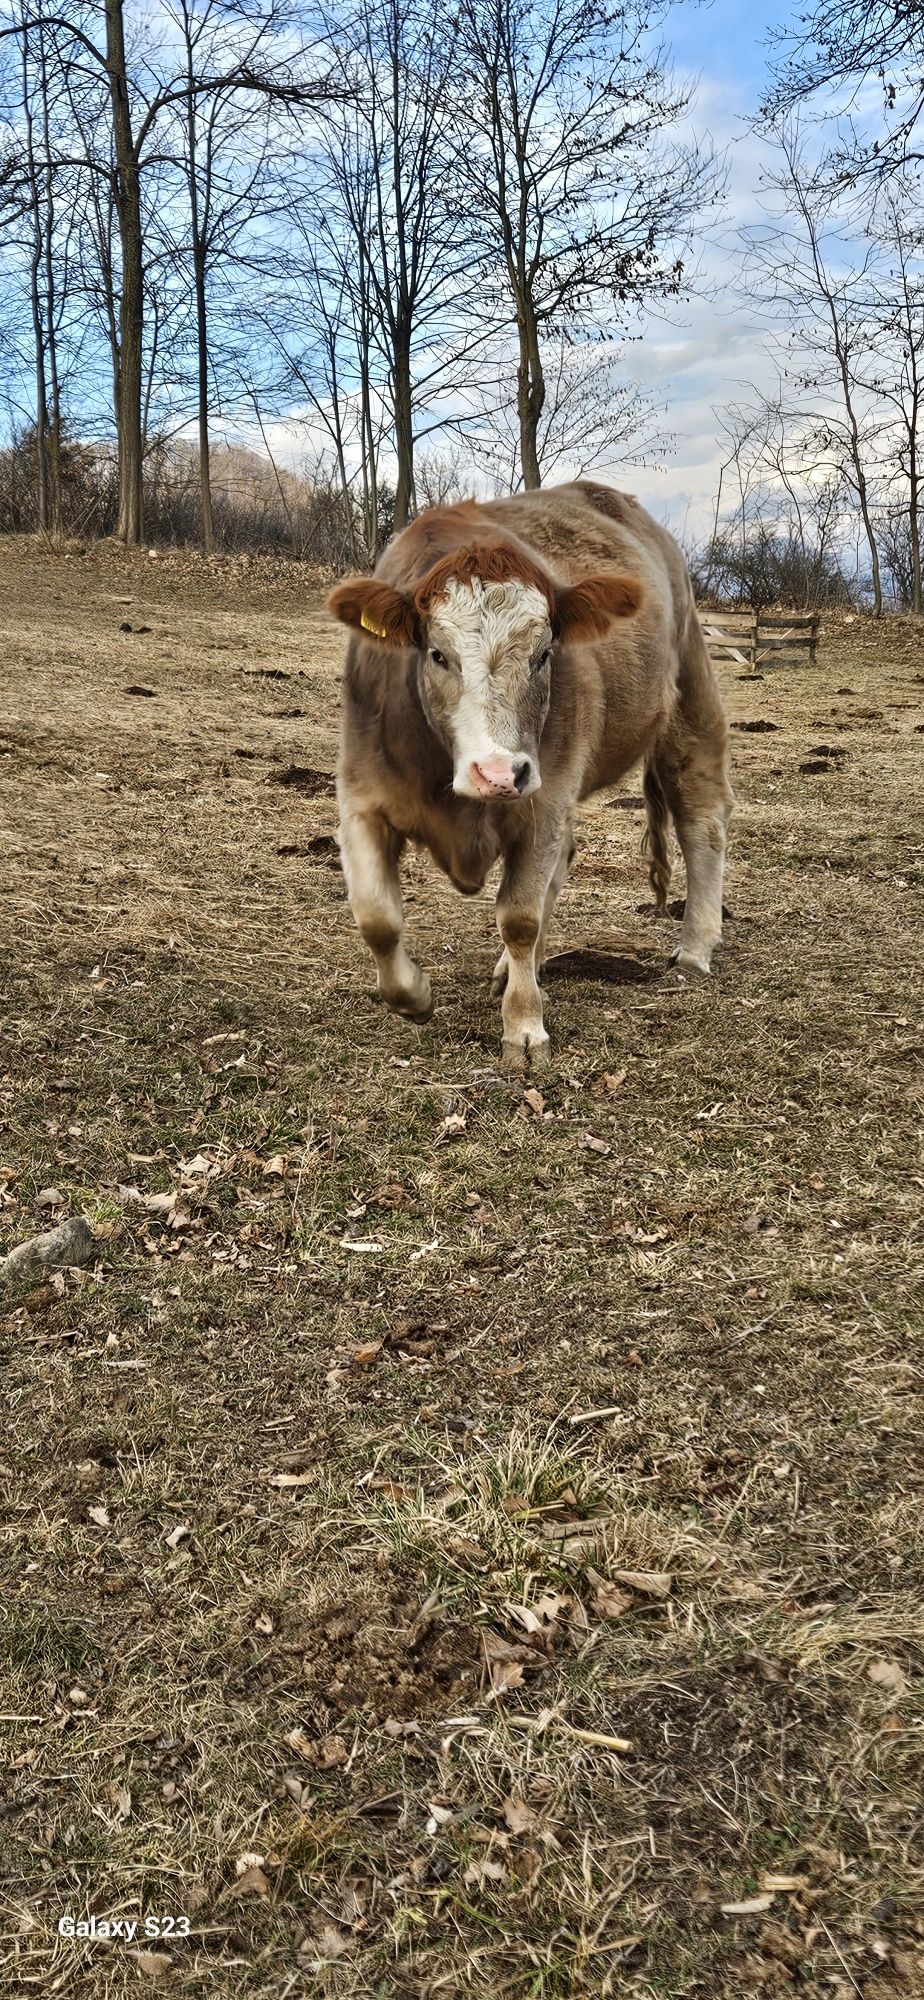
point(439, 659)
point(544, 658)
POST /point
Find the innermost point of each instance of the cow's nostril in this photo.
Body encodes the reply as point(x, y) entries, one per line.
point(522, 772)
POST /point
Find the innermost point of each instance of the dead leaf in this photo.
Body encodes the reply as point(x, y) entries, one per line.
point(524, 1616)
point(535, 1100)
point(300, 1743)
point(645, 1582)
point(888, 1674)
point(505, 1661)
point(592, 1144)
point(178, 1534)
point(99, 1517)
point(333, 1943)
point(363, 1357)
point(466, 1551)
point(783, 1885)
point(285, 1481)
point(391, 1489)
point(481, 1872)
point(452, 1127)
point(753, 1906)
point(505, 1675)
point(251, 1882)
point(519, 1817)
point(609, 1600)
point(329, 1752)
point(263, 1624)
point(155, 1963)
point(276, 1167)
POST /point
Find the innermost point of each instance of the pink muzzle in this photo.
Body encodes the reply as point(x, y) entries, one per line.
point(500, 777)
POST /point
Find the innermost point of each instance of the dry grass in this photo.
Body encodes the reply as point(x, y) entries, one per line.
point(314, 1554)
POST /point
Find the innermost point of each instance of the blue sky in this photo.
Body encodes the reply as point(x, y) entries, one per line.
point(712, 349)
point(725, 38)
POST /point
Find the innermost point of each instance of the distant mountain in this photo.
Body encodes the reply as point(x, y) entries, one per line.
point(237, 472)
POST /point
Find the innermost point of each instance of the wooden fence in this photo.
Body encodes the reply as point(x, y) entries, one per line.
point(760, 638)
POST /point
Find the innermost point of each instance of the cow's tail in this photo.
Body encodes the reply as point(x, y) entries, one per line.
point(655, 841)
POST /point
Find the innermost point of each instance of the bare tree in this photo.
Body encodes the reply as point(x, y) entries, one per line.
point(232, 81)
point(580, 204)
point(821, 303)
point(397, 143)
point(139, 86)
point(591, 416)
point(782, 511)
point(897, 313)
point(837, 45)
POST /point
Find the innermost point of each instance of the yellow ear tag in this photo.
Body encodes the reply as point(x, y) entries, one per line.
point(368, 626)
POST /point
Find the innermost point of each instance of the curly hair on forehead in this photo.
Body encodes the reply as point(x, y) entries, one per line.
point(486, 563)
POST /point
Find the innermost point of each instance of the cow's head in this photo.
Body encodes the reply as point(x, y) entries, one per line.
point(485, 623)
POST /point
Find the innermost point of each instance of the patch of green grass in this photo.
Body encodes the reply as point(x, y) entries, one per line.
point(33, 1638)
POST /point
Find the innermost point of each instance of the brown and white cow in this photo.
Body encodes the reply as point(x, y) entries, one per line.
point(510, 657)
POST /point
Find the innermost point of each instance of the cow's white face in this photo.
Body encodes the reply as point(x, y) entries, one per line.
point(483, 623)
point(485, 680)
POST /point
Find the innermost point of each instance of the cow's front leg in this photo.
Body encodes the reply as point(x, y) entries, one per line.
point(370, 850)
point(566, 854)
point(521, 900)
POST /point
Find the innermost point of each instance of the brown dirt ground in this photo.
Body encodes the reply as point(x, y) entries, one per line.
point(316, 1554)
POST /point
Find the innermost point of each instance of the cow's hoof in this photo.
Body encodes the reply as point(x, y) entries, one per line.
point(689, 964)
point(532, 1053)
point(419, 1015)
point(416, 1006)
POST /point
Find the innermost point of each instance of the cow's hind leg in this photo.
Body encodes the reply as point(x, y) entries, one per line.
point(559, 878)
point(370, 850)
point(691, 771)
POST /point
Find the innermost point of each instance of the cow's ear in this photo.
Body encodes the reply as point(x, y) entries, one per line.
point(586, 610)
point(374, 608)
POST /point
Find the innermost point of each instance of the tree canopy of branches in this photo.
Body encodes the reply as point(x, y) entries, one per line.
point(838, 45)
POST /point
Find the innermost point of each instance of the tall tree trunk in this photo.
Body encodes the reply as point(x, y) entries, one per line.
point(530, 395)
point(200, 257)
point(205, 449)
point(53, 412)
point(402, 310)
point(914, 479)
point(42, 470)
point(914, 524)
point(42, 481)
point(130, 524)
point(404, 436)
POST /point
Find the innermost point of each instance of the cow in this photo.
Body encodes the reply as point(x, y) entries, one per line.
point(508, 658)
